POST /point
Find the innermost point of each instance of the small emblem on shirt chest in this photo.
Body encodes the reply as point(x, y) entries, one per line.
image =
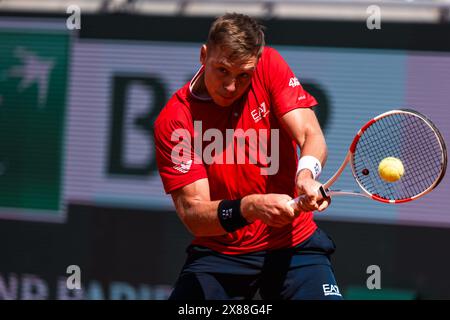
point(260, 112)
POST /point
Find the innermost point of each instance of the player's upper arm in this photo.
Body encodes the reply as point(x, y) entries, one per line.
point(300, 123)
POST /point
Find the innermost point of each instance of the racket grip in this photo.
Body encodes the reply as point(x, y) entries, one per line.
point(321, 193)
point(293, 202)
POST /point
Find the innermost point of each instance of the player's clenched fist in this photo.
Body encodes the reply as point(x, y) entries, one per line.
point(308, 187)
point(272, 209)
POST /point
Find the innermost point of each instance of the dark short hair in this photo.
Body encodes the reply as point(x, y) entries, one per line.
point(242, 35)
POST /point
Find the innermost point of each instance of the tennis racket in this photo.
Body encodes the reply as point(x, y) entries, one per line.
point(404, 134)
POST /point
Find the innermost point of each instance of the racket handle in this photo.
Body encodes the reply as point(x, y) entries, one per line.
point(293, 202)
point(321, 193)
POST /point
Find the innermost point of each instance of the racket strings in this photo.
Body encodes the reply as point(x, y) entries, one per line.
point(414, 154)
point(432, 156)
point(407, 137)
point(428, 165)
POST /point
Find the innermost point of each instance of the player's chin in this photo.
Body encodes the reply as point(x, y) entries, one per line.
point(223, 101)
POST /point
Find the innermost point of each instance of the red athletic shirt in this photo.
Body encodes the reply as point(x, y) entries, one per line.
point(194, 140)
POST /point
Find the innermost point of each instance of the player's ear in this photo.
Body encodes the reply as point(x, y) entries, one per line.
point(203, 54)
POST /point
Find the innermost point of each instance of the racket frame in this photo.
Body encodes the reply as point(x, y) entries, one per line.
point(324, 190)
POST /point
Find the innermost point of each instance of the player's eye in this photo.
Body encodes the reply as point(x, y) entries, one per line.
point(223, 70)
point(244, 75)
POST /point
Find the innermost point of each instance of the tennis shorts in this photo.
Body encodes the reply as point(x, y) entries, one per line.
point(303, 272)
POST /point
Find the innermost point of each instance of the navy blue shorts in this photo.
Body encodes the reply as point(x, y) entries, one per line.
point(300, 273)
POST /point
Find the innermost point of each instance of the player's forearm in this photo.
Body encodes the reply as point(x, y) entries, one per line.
point(202, 220)
point(200, 217)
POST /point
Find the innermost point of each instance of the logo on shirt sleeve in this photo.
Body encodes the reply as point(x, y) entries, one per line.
point(184, 166)
point(293, 82)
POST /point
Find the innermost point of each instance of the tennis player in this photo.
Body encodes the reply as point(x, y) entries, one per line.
point(226, 148)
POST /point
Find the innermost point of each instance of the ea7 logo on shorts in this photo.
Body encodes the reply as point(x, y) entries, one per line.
point(293, 82)
point(331, 290)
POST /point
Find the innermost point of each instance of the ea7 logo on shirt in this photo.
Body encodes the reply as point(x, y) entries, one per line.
point(293, 82)
point(331, 290)
point(260, 112)
point(184, 166)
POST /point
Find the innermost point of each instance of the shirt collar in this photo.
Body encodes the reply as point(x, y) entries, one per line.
point(193, 81)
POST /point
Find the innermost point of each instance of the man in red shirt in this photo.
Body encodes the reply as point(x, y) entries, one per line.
point(226, 148)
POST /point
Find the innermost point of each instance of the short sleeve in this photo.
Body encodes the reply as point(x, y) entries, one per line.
point(177, 162)
point(286, 91)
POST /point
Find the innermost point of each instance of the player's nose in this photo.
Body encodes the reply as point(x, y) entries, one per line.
point(230, 87)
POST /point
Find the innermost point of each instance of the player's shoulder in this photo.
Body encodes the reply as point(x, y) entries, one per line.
point(270, 61)
point(270, 55)
point(268, 50)
point(177, 108)
point(176, 113)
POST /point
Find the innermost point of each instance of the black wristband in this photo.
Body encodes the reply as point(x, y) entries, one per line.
point(230, 216)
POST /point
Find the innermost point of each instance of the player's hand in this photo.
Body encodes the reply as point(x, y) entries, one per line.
point(272, 209)
point(309, 187)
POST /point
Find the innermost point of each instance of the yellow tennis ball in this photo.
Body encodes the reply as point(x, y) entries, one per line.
point(391, 169)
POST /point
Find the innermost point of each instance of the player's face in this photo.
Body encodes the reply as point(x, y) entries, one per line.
point(225, 80)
